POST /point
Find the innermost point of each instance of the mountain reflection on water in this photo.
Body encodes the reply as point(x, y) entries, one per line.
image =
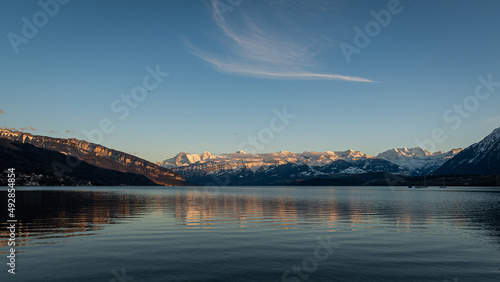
point(44, 214)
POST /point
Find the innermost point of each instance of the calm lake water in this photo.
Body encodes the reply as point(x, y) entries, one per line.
point(254, 234)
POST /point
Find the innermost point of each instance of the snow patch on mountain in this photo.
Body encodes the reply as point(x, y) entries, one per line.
point(353, 170)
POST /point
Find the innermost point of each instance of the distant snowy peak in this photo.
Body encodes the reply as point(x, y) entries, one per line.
point(417, 159)
point(352, 155)
point(206, 155)
point(405, 153)
point(184, 159)
point(401, 153)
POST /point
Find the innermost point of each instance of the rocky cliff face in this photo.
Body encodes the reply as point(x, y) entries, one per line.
point(96, 155)
point(34, 167)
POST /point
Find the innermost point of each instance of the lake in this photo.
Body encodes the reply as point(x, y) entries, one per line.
point(254, 234)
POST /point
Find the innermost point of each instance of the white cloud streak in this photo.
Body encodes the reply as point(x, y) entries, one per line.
point(251, 47)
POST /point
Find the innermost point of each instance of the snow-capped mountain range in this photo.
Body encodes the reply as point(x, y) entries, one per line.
point(284, 166)
point(267, 159)
point(280, 168)
point(414, 160)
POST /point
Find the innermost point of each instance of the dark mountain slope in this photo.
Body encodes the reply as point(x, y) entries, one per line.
point(99, 156)
point(480, 158)
point(29, 160)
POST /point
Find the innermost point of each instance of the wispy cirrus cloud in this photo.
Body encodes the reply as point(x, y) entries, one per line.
point(32, 128)
point(2, 112)
point(260, 40)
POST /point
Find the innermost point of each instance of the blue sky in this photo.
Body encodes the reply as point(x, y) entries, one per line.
point(230, 66)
